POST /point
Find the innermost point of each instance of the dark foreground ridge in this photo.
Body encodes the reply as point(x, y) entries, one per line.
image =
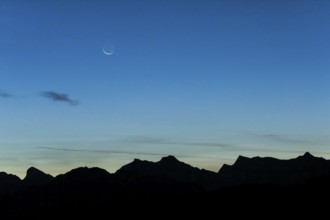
point(168, 186)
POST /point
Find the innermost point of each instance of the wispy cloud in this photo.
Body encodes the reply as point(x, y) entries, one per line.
point(144, 140)
point(209, 144)
point(124, 152)
point(225, 147)
point(58, 97)
point(4, 94)
point(155, 140)
point(103, 151)
point(286, 139)
point(137, 153)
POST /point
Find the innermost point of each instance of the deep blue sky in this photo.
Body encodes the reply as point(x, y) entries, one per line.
point(202, 80)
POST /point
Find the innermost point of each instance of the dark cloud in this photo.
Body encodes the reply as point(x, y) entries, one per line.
point(4, 94)
point(58, 97)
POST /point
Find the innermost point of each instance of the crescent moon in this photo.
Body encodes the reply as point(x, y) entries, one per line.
point(107, 53)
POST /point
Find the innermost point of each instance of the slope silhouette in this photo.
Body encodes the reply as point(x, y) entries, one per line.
point(9, 183)
point(171, 169)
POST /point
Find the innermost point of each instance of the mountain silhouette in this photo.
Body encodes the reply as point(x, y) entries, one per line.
point(9, 183)
point(166, 186)
point(273, 171)
point(169, 168)
point(84, 175)
point(35, 177)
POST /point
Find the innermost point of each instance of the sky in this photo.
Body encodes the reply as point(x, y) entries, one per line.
point(99, 83)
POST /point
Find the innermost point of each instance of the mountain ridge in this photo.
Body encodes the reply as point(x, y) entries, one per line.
point(167, 184)
point(245, 170)
point(170, 163)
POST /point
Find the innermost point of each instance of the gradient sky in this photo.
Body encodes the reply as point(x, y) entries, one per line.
point(204, 80)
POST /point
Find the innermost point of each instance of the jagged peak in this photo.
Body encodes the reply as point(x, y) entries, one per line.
point(138, 162)
point(224, 167)
point(35, 176)
point(307, 154)
point(5, 175)
point(241, 158)
point(32, 171)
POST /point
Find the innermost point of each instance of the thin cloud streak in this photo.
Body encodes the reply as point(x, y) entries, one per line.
point(286, 139)
point(290, 139)
point(153, 140)
point(125, 152)
point(176, 155)
point(223, 146)
point(58, 97)
point(103, 151)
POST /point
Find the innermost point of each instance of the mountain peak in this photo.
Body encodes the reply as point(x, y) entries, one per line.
point(169, 159)
point(32, 171)
point(308, 155)
point(36, 177)
point(241, 160)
